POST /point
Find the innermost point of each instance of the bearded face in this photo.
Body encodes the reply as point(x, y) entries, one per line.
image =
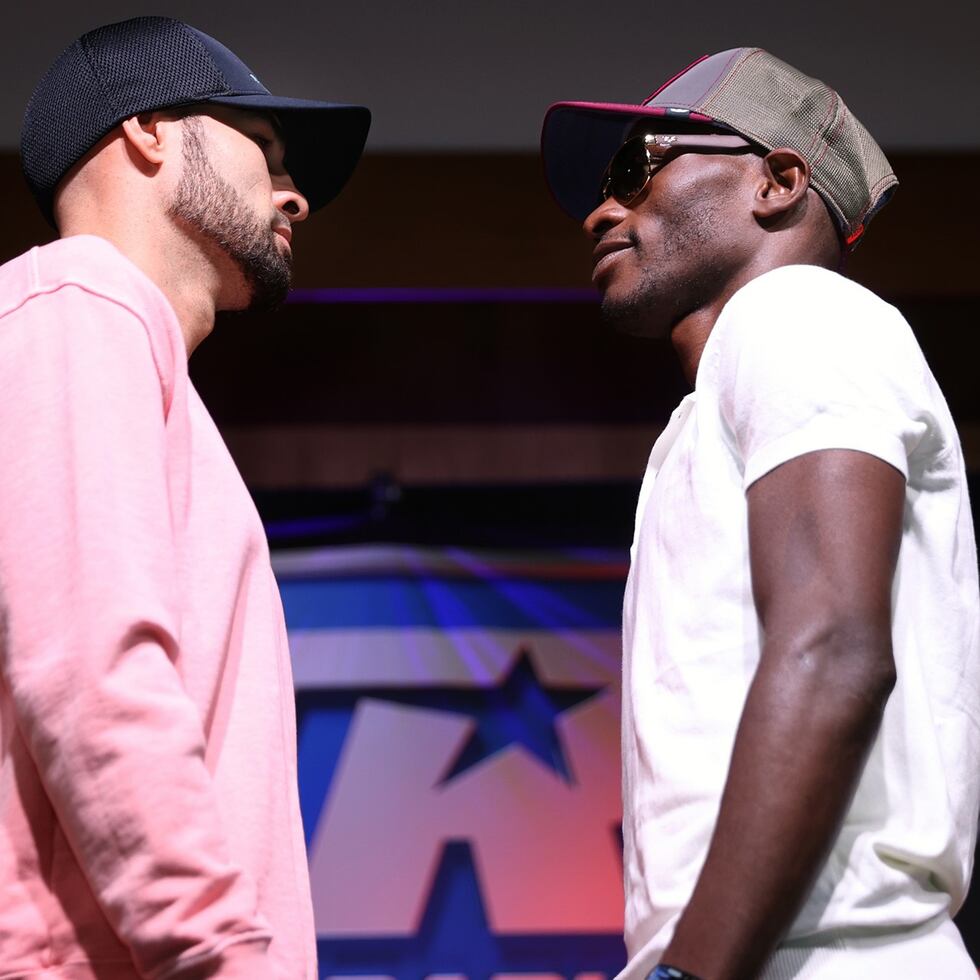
point(206, 204)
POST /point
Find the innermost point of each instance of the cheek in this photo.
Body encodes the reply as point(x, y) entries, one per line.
point(262, 183)
point(253, 186)
point(247, 171)
point(691, 213)
point(651, 229)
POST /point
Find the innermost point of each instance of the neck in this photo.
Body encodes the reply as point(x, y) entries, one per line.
point(690, 334)
point(689, 337)
point(184, 274)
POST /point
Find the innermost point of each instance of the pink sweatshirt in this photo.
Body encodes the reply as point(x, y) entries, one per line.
point(149, 819)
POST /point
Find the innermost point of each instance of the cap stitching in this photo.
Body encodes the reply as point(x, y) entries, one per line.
point(881, 182)
point(866, 204)
point(736, 67)
point(670, 81)
point(690, 104)
point(826, 126)
point(84, 46)
point(875, 190)
point(203, 50)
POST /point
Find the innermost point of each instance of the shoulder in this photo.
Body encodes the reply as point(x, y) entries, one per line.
point(797, 293)
point(803, 359)
point(790, 279)
point(92, 264)
point(85, 286)
point(802, 312)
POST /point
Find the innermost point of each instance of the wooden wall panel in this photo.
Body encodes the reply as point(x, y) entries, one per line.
point(544, 388)
point(488, 220)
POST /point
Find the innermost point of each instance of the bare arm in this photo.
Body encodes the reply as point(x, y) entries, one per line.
point(824, 534)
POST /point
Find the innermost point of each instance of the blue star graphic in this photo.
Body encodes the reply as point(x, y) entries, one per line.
point(519, 711)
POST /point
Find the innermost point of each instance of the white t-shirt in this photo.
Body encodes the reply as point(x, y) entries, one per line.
point(801, 359)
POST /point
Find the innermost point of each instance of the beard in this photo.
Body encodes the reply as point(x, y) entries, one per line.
point(207, 204)
point(678, 279)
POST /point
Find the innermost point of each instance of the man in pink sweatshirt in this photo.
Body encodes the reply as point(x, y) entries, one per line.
point(148, 802)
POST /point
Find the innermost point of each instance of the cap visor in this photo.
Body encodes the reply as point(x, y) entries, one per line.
point(324, 140)
point(578, 139)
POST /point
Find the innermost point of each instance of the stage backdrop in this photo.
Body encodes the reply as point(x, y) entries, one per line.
point(458, 759)
point(458, 722)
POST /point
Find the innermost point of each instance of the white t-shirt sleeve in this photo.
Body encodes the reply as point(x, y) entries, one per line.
point(808, 360)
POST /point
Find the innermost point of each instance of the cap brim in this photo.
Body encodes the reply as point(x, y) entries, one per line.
point(324, 140)
point(578, 139)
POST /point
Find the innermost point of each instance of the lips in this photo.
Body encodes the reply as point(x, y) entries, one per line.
point(285, 231)
point(605, 254)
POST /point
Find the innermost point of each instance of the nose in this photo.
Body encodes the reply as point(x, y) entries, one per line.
point(607, 215)
point(287, 199)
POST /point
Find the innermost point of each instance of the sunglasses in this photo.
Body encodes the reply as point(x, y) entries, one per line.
point(639, 158)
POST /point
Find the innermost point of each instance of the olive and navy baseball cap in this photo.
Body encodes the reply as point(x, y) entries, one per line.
point(746, 91)
point(148, 63)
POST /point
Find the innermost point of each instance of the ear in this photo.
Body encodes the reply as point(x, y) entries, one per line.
point(783, 186)
point(150, 137)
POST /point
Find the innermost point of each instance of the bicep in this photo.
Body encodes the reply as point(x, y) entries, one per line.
point(824, 535)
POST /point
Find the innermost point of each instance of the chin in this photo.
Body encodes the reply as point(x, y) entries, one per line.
point(634, 316)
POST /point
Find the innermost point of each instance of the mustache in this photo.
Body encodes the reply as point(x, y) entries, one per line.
point(629, 236)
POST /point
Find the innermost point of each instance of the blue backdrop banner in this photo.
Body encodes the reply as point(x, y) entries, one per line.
point(459, 759)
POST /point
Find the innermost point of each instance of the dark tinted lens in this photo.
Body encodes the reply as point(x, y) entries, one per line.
point(629, 171)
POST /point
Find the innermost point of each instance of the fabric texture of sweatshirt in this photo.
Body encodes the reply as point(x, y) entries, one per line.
point(148, 798)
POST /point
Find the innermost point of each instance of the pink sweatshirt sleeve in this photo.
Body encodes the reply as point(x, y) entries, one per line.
point(92, 628)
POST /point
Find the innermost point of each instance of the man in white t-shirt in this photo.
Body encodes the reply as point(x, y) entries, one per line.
point(801, 727)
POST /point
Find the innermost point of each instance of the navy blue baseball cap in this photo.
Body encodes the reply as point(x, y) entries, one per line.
point(148, 63)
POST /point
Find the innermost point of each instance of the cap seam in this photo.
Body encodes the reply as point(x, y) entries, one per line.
point(839, 122)
point(827, 126)
point(202, 49)
point(882, 181)
point(111, 102)
point(875, 190)
point(670, 81)
point(734, 66)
